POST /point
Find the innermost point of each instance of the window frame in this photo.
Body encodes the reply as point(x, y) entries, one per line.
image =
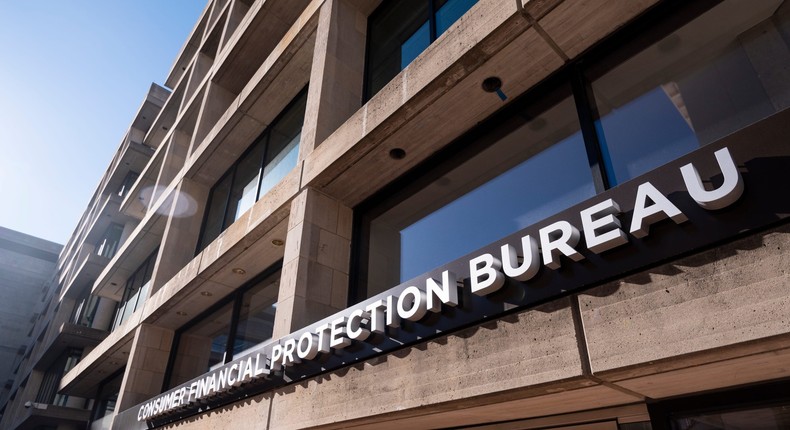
point(142, 269)
point(263, 138)
point(236, 298)
point(376, 14)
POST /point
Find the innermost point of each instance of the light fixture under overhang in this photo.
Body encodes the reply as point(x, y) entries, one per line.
point(181, 313)
point(397, 153)
point(238, 271)
point(206, 294)
point(278, 242)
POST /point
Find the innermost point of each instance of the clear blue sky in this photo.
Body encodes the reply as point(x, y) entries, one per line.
point(72, 75)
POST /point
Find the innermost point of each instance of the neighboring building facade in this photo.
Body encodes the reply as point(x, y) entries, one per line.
point(434, 214)
point(27, 266)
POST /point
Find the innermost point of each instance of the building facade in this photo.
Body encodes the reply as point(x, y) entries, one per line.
point(27, 265)
point(440, 214)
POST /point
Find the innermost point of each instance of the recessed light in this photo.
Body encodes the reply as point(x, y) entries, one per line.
point(206, 294)
point(492, 84)
point(278, 242)
point(181, 314)
point(238, 271)
point(397, 153)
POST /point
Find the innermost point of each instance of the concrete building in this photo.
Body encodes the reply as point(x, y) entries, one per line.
point(438, 214)
point(27, 265)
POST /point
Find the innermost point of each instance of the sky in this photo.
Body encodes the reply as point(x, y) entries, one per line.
point(72, 76)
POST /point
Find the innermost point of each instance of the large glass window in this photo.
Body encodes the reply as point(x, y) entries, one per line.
point(110, 241)
point(655, 93)
point(263, 165)
point(230, 329)
point(692, 87)
point(399, 30)
point(127, 183)
point(135, 292)
point(503, 188)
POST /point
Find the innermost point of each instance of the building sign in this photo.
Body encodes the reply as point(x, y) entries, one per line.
point(710, 195)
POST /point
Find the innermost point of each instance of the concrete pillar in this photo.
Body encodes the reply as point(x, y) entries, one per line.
point(314, 281)
point(181, 232)
point(145, 370)
point(336, 76)
point(193, 354)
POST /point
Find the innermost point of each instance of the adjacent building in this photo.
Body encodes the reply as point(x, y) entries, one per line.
point(438, 214)
point(27, 266)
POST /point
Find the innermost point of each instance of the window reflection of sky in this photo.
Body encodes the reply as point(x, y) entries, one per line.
point(519, 197)
point(642, 135)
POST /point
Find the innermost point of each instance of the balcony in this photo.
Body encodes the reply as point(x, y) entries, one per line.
point(39, 415)
point(70, 335)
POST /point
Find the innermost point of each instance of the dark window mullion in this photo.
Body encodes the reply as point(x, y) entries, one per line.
point(234, 322)
point(588, 114)
point(264, 154)
point(432, 19)
point(232, 173)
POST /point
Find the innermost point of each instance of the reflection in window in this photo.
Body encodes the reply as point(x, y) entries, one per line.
point(239, 324)
point(504, 188)
point(700, 83)
point(110, 241)
point(127, 183)
point(274, 154)
point(722, 71)
point(400, 30)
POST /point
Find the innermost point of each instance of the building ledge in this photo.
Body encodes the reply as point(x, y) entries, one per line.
point(69, 335)
point(41, 415)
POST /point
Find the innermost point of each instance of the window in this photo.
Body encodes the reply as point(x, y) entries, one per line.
point(110, 241)
point(127, 183)
point(85, 311)
point(398, 31)
point(227, 331)
point(651, 94)
point(263, 165)
point(501, 189)
point(136, 290)
point(692, 87)
point(107, 397)
point(48, 390)
point(760, 407)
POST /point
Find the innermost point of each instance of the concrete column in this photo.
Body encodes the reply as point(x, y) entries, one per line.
point(145, 370)
point(181, 232)
point(314, 281)
point(337, 72)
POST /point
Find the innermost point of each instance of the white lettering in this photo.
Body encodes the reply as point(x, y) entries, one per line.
point(484, 274)
point(337, 338)
point(529, 256)
point(446, 293)
point(646, 214)
point(559, 238)
point(412, 304)
point(728, 193)
point(354, 326)
point(601, 227)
